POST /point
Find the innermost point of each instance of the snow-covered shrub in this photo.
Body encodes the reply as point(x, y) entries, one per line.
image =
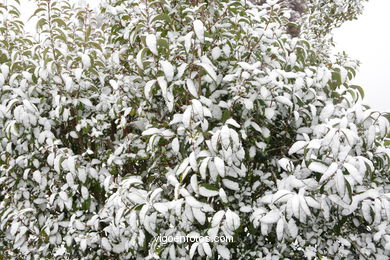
point(175, 118)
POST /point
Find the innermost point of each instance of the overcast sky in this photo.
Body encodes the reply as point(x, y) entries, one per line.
point(366, 39)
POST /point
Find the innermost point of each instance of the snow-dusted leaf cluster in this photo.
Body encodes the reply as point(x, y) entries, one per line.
point(187, 118)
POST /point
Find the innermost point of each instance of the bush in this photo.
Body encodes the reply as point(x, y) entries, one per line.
point(187, 118)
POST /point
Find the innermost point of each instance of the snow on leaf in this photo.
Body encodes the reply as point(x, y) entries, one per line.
point(175, 145)
point(292, 228)
point(203, 167)
point(280, 229)
point(312, 203)
point(318, 167)
point(297, 146)
point(187, 117)
point(193, 248)
point(199, 30)
point(193, 162)
point(37, 176)
point(31, 107)
point(161, 207)
point(286, 164)
point(114, 84)
point(71, 164)
point(57, 163)
point(82, 175)
point(207, 192)
point(283, 100)
point(223, 252)
point(220, 165)
point(231, 185)
point(142, 213)
point(280, 194)
point(155, 193)
point(366, 211)
point(83, 244)
point(197, 108)
point(384, 126)
point(327, 111)
point(187, 41)
point(181, 70)
point(169, 70)
point(337, 200)
point(163, 86)
point(86, 102)
point(269, 113)
point(371, 135)
point(329, 172)
point(303, 204)
point(223, 196)
point(193, 202)
point(86, 60)
point(229, 78)
point(172, 252)
point(271, 217)
point(191, 87)
point(247, 66)
point(293, 59)
point(199, 215)
point(386, 206)
point(314, 144)
point(295, 206)
point(106, 244)
point(224, 137)
point(151, 43)
point(216, 53)
point(340, 183)
point(148, 88)
point(232, 220)
point(217, 218)
point(14, 228)
point(84, 192)
point(353, 172)
point(139, 59)
point(151, 131)
point(194, 183)
point(210, 71)
point(69, 179)
point(207, 249)
point(232, 122)
point(4, 70)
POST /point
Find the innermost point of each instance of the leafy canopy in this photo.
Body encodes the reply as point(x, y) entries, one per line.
point(202, 118)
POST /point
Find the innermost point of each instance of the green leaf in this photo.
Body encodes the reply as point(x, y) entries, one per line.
point(41, 22)
point(210, 187)
point(95, 45)
point(352, 94)
point(162, 17)
point(349, 189)
point(358, 88)
point(37, 11)
point(59, 22)
point(336, 77)
point(163, 44)
point(138, 207)
point(225, 115)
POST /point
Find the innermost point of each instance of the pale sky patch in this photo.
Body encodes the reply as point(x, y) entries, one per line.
point(368, 40)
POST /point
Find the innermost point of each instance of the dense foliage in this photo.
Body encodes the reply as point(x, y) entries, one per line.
point(167, 118)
